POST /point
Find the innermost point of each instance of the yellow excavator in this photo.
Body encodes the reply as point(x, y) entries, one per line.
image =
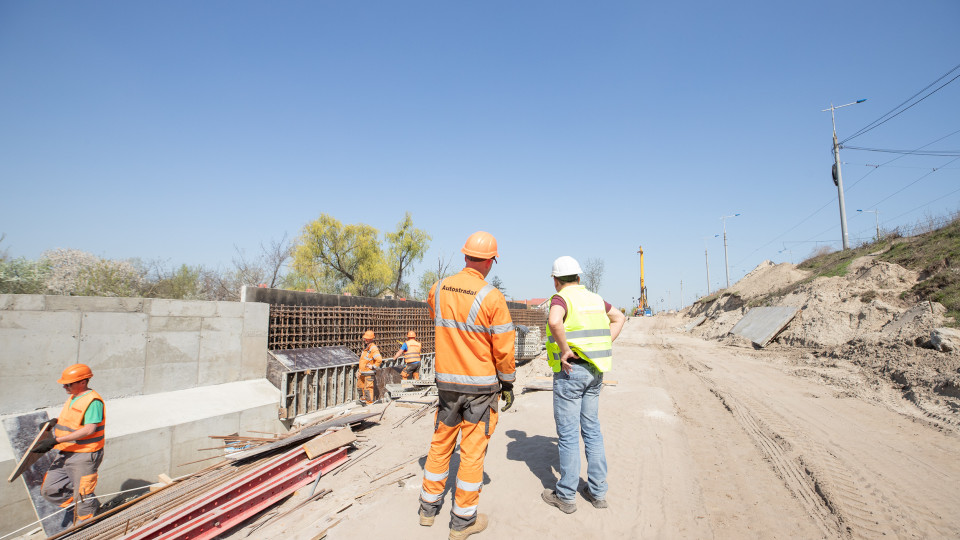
point(643, 309)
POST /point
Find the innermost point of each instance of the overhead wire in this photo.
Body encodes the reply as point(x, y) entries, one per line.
point(887, 117)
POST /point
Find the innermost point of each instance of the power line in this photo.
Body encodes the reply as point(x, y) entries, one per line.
point(911, 183)
point(887, 117)
point(900, 157)
point(926, 204)
point(937, 153)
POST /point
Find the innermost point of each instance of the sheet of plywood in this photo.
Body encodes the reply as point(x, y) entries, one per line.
point(332, 440)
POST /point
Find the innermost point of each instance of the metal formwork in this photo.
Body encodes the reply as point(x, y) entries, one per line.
point(312, 390)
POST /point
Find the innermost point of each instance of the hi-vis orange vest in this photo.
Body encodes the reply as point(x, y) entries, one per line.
point(71, 419)
point(413, 351)
point(369, 359)
point(474, 334)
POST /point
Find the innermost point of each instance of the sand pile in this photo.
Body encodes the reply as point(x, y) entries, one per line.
point(767, 278)
point(864, 304)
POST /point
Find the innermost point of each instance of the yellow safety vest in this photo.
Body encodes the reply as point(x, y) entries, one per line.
point(587, 329)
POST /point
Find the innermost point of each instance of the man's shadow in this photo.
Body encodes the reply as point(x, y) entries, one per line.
point(540, 454)
point(450, 487)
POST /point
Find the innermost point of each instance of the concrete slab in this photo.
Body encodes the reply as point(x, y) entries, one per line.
point(21, 302)
point(171, 361)
point(695, 323)
point(158, 307)
point(174, 324)
point(256, 319)
point(253, 359)
point(762, 324)
point(220, 351)
point(93, 304)
point(114, 346)
point(34, 349)
point(230, 310)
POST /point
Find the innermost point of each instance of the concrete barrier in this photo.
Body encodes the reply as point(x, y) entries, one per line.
point(135, 346)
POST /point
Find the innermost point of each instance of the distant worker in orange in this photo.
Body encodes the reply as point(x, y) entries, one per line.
point(79, 437)
point(474, 365)
point(410, 352)
point(369, 364)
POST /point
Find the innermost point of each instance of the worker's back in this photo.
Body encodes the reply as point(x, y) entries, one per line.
point(474, 334)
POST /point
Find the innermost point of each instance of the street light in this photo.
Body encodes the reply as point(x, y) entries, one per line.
point(837, 178)
point(726, 263)
point(876, 214)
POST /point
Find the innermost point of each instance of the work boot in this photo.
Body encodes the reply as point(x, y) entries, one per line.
point(597, 503)
point(426, 520)
point(549, 496)
point(478, 525)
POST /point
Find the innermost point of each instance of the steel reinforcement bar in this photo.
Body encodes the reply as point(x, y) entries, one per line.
point(297, 327)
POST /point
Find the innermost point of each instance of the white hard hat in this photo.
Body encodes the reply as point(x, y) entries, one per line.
point(565, 266)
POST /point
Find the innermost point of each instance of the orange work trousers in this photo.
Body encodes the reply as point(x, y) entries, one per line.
point(365, 385)
point(474, 418)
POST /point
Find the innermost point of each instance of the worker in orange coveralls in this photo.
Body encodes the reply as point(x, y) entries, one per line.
point(369, 362)
point(410, 351)
point(474, 366)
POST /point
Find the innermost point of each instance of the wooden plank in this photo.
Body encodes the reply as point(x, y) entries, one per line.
point(322, 444)
point(29, 457)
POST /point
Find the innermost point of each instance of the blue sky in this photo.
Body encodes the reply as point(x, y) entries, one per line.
point(178, 130)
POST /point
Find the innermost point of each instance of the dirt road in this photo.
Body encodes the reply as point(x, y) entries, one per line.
point(703, 441)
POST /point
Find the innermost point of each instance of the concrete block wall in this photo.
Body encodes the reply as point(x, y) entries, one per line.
point(135, 346)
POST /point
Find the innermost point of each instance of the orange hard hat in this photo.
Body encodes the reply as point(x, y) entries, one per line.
point(368, 334)
point(481, 245)
point(411, 334)
point(74, 373)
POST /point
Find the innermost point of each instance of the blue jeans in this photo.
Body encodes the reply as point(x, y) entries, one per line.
point(576, 403)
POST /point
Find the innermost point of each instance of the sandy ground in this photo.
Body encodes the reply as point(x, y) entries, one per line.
point(703, 440)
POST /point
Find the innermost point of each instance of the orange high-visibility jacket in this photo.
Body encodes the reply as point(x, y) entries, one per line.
point(413, 351)
point(71, 419)
point(474, 334)
point(370, 359)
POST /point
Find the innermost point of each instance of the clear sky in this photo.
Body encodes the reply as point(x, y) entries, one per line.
point(178, 130)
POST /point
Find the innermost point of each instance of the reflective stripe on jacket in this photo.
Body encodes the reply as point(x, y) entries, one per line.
point(474, 334)
point(587, 329)
point(370, 359)
point(413, 351)
point(71, 419)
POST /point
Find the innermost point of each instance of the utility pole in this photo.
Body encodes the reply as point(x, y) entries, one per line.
point(681, 295)
point(837, 177)
point(706, 256)
point(726, 261)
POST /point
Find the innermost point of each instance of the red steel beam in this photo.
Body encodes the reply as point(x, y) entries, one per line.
point(220, 510)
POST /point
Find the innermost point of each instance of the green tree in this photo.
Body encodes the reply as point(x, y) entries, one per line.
point(109, 278)
point(184, 283)
point(334, 257)
point(23, 276)
point(432, 276)
point(406, 246)
point(498, 283)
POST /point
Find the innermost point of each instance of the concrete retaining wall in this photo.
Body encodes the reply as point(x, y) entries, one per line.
point(135, 346)
point(153, 434)
point(172, 373)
